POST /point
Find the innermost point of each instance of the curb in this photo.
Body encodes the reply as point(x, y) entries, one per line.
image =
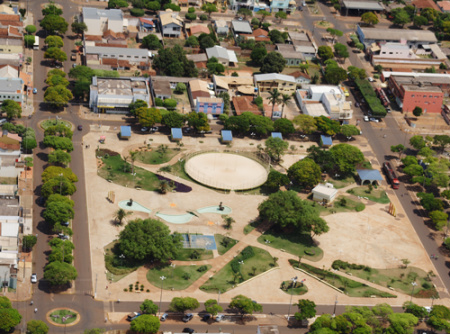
point(320, 280)
point(257, 276)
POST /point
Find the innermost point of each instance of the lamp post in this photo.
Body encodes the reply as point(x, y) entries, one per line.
point(160, 297)
point(294, 280)
point(335, 305)
point(412, 291)
point(122, 257)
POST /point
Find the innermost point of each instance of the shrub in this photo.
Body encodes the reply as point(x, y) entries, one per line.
point(203, 17)
point(426, 285)
point(360, 207)
point(202, 269)
point(447, 243)
point(170, 103)
point(310, 252)
point(159, 102)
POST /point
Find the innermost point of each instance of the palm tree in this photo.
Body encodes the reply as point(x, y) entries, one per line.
point(163, 186)
point(120, 215)
point(125, 159)
point(274, 98)
point(284, 100)
point(133, 157)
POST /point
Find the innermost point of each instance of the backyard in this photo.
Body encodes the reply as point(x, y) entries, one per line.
point(374, 195)
point(176, 277)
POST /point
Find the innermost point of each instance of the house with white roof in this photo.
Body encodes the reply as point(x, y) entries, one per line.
point(99, 20)
point(285, 84)
point(225, 57)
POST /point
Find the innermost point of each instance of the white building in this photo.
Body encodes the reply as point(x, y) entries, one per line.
point(324, 193)
point(99, 20)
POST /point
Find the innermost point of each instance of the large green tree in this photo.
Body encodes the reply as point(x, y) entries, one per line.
point(183, 304)
point(59, 157)
point(325, 52)
point(151, 42)
point(149, 116)
point(51, 9)
point(54, 171)
point(149, 307)
point(173, 62)
point(146, 323)
point(9, 318)
point(57, 96)
point(11, 108)
point(284, 126)
point(54, 24)
point(370, 18)
point(198, 121)
point(79, 27)
point(60, 273)
point(55, 53)
point(258, 54)
point(275, 147)
point(349, 130)
point(37, 327)
point(306, 309)
point(61, 143)
point(148, 239)
point(173, 119)
point(58, 185)
point(346, 157)
point(305, 173)
point(212, 307)
point(54, 41)
point(58, 213)
point(244, 305)
point(305, 123)
point(273, 63)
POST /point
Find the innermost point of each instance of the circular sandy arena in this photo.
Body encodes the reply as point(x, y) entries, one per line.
point(226, 171)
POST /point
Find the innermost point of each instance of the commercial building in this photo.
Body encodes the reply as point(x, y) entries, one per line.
point(359, 7)
point(114, 95)
point(267, 82)
point(12, 89)
point(124, 57)
point(209, 105)
point(324, 193)
point(416, 38)
point(99, 20)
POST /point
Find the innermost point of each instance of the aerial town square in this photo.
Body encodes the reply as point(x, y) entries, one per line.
point(215, 166)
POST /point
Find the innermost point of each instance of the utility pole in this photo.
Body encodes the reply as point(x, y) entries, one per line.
point(294, 280)
point(160, 297)
point(96, 280)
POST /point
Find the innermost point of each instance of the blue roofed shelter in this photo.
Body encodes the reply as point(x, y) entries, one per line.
point(176, 134)
point(227, 136)
point(371, 175)
point(125, 132)
point(326, 141)
point(277, 135)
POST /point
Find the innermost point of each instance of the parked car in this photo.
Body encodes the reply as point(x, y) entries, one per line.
point(188, 330)
point(33, 278)
point(63, 236)
point(73, 56)
point(65, 223)
point(188, 317)
point(206, 317)
point(357, 105)
point(371, 79)
point(35, 90)
point(374, 120)
point(220, 317)
point(144, 129)
point(80, 127)
point(164, 317)
point(366, 119)
point(133, 315)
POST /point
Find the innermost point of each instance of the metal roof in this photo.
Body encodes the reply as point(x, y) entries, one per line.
point(277, 135)
point(176, 133)
point(11, 84)
point(369, 174)
point(125, 131)
point(218, 52)
point(116, 51)
point(95, 13)
point(398, 34)
point(242, 27)
point(274, 76)
point(363, 5)
point(326, 140)
point(227, 135)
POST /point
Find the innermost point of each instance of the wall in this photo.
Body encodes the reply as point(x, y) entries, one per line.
point(423, 100)
point(171, 29)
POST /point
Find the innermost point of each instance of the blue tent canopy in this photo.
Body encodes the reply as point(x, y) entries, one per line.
point(369, 175)
point(125, 131)
point(326, 140)
point(177, 133)
point(227, 135)
point(277, 135)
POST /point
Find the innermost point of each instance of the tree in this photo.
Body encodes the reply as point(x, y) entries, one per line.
point(192, 41)
point(58, 185)
point(151, 42)
point(273, 63)
point(398, 149)
point(420, 21)
point(173, 62)
point(335, 33)
point(276, 37)
point(29, 40)
point(284, 126)
point(172, 119)
point(305, 123)
point(9, 318)
point(334, 75)
point(117, 3)
point(54, 42)
point(149, 116)
point(55, 53)
point(349, 130)
point(190, 17)
point(439, 318)
point(212, 307)
point(401, 18)
point(209, 8)
point(134, 106)
point(430, 203)
point(275, 180)
point(148, 239)
point(51, 9)
point(417, 111)
point(56, 212)
point(146, 323)
point(305, 173)
point(137, 12)
point(258, 54)
point(416, 310)
point(417, 142)
point(214, 67)
point(153, 5)
point(274, 98)
point(327, 126)
point(325, 52)
point(28, 242)
point(54, 171)
point(244, 305)
point(198, 121)
point(60, 273)
point(55, 80)
point(276, 147)
point(79, 27)
point(120, 215)
point(37, 327)
point(245, 12)
point(54, 24)
point(94, 331)
point(11, 108)
point(30, 29)
point(149, 307)
point(180, 88)
point(370, 18)
point(81, 71)
point(442, 141)
point(285, 209)
point(346, 157)
point(285, 98)
point(401, 323)
point(238, 124)
point(183, 304)
point(356, 73)
point(59, 199)
point(439, 219)
point(341, 51)
point(281, 16)
point(206, 41)
point(57, 96)
point(306, 309)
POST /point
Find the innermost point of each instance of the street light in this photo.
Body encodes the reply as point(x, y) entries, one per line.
point(335, 305)
point(122, 257)
point(413, 286)
point(160, 298)
point(294, 280)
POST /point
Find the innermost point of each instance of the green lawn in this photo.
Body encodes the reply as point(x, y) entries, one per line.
point(251, 226)
point(116, 267)
point(298, 290)
point(348, 286)
point(8, 180)
point(117, 171)
point(193, 254)
point(340, 206)
point(52, 122)
point(377, 195)
point(226, 279)
point(154, 157)
point(177, 169)
point(223, 247)
point(400, 279)
point(61, 314)
point(341, 183)
point(293, 243)
point(175, 277)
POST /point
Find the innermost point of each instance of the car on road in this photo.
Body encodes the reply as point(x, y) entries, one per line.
point(366, 119)
point(188, 330)
point(65, 223)
point(206, 317)
point(388, 109)
point(133, 315)
point(220, 317)
point(188, 317)
point(35, 90)
point(357, 105)
point(370, 79)
point(373, 120)
point(33, 278)
point(80, 127)
point(74, 65)
point(154, 129)
point(164, 317)
point(144, 129)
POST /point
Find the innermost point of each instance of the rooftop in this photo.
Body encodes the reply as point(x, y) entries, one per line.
point(11, 84)
point(221, 23)
point(9, 207)
point(197, 57)
point(444, 5)
point(364, 5)
point(277, 135)
point(399, 34)
point(274, 76)
point(96, 13)
point(412, 79)
point(421, 4)
point(169, 17)
point(210, 99)
point(369, 174)
point(221, 53)
point(326, 140)
point(120, 86)
point(225, 82)
point(162, 88)
point(176, 133)
point(125, 131)
point(199, 28)
point(325, 189)
point(227, 135)
point(241, 27)
point(116, 51)
point(198, 85)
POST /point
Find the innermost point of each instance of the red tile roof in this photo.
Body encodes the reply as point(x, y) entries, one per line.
point(425, 4)
point(9, 17)
point(93, 38)
point(109, 61)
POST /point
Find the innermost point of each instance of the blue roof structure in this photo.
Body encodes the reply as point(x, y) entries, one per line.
point(125, 131)
point(227, 135)
point(326, 140)
point(277, 135)
point(369, 175)
point(176, 133)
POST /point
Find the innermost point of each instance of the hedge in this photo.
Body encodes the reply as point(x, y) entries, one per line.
point(371, 98)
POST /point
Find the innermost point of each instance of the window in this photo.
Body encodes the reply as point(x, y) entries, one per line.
point(413, 95)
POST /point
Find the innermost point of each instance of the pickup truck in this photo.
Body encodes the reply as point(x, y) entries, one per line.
point(133, 315)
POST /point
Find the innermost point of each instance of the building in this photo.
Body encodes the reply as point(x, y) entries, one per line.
point(260, 35)
point(287, 6)
point(225, 57)
point(209, 105)
point(12, 89)
point(96, 55)
point(198, 88)
point(267, 82)
point(424, 92)
point(236, 85)
point(11, 40)
point(114, 95)
point(11, 20)
point(326, 141)
point(324, 100)
point(254, 5)
point(444, 6)
point(197, 29)
point(422, 4)
point(171, 23)
point(373, 176)
point(293, 58)
point(301, 78)
point(146, 25)
point(241, 28)
point(222, 27)
point(324, 193)
point(99, 20)
point(227, 136)
point(125, 132)
point(161, 90)
point(246, 104)
point(359, 7)
point(416, 38)
point(176, 134)
point(199, 59)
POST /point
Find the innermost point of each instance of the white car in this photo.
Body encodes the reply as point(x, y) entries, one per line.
point(220, 317)
point(374, 120)
point(370, 79)
point(33, 278)
point(366, 119)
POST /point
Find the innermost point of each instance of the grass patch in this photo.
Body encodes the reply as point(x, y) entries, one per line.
point(298, 290)
point(155, 157)
point(293, 243)
point(342, 204)
point(348, 286)
point(51, 122)
point(251, 226)
point(8, 180)
point(60, 314)
point(116, 267)
point(171, 42)
point(178, 278)
point(341, 183)
point(376, 195)
point(177, 169)
point(227, 279)
point(193, 254)
point(116, 170)
point(224, 243)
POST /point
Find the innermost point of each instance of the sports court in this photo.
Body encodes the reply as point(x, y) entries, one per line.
point(199, 241)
